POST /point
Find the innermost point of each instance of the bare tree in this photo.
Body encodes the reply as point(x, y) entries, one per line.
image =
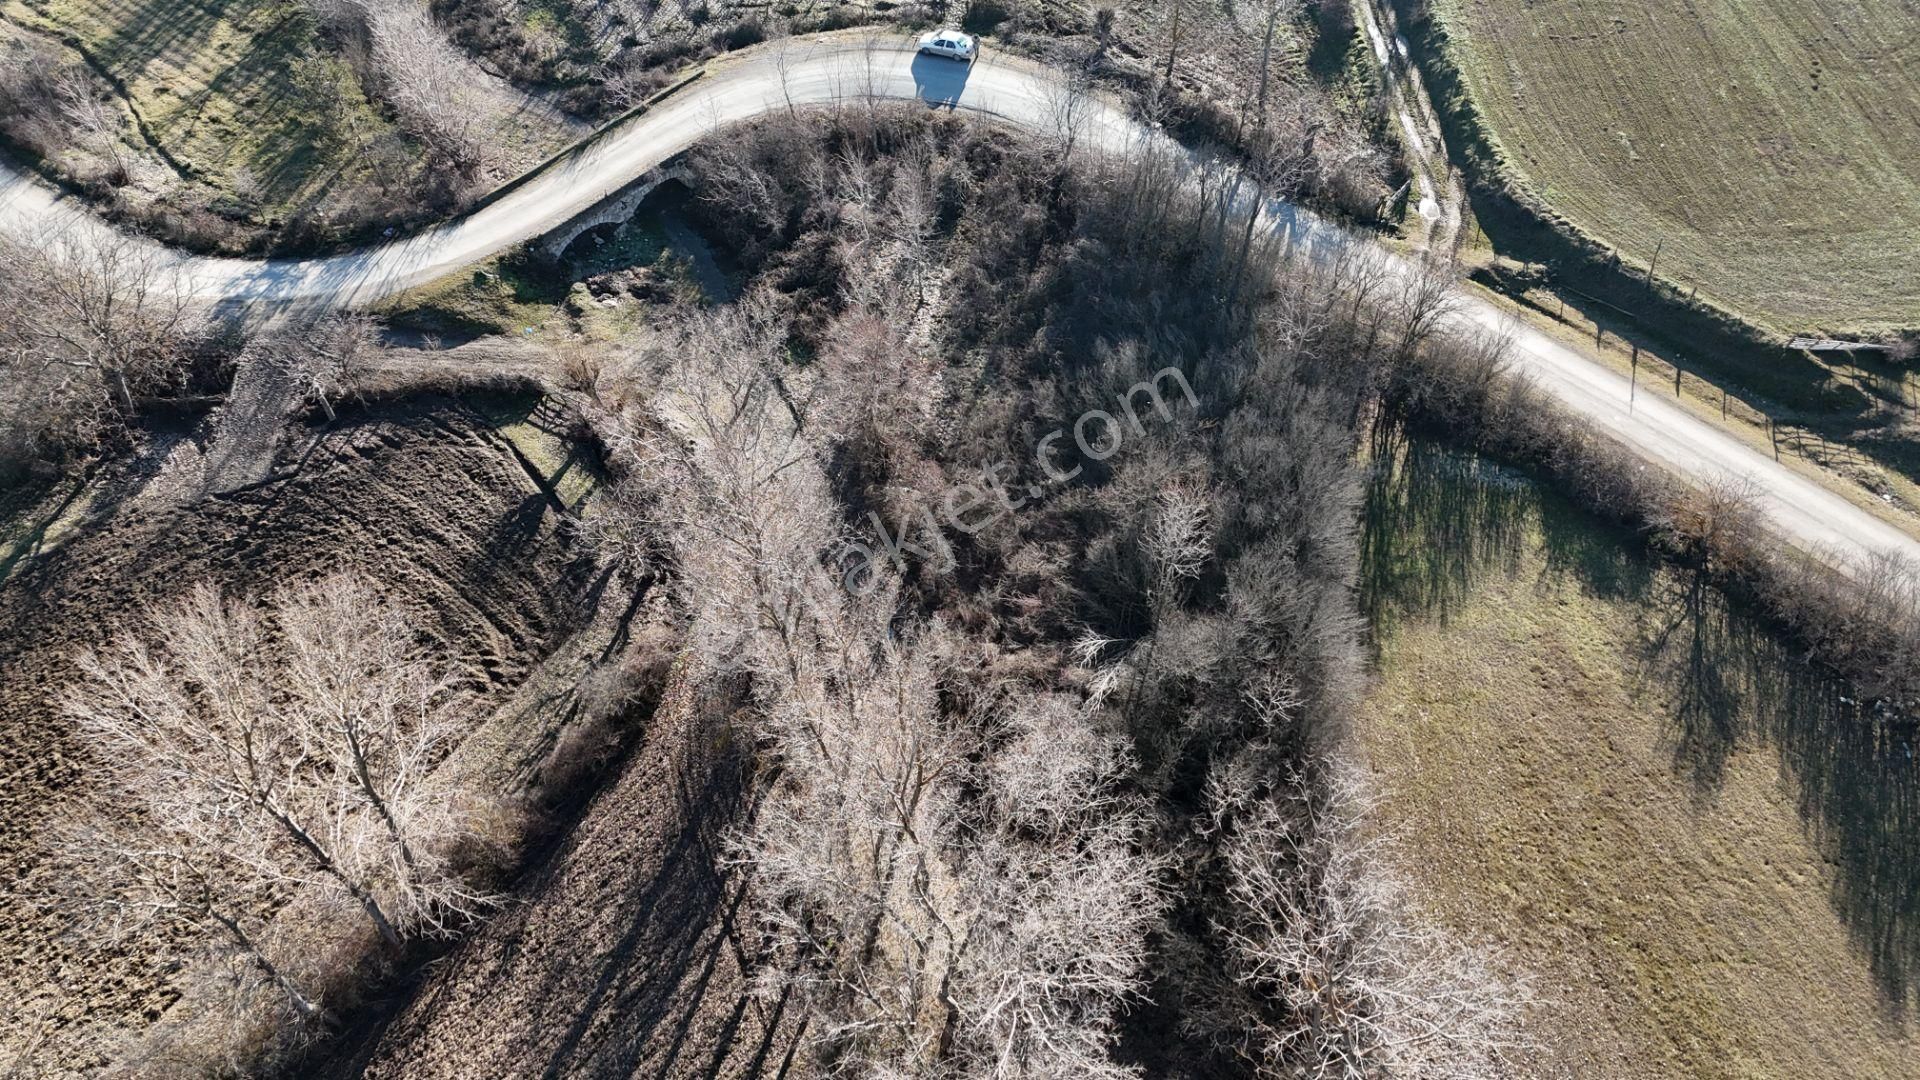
point(1177, 543)
point(53, 104)
point(1318, 923)
point(406, 60)
point(783, 66)
point(169, 875)
point(913, 921)
point(1175, 37)
point(617, 528)
point(430, 84)
point(326, 358)
point(294, 743)
point(1424, 306)
point(87, 112)
point(1001, 935)
point(739, 494)
point(1718, 522)
point(92, 320)
point(376, 710)
point(1068, 104)
point(1063, 902)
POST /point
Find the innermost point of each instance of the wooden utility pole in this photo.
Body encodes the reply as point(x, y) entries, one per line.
point(1655, 263)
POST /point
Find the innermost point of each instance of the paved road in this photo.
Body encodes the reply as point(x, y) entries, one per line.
point(843, 70)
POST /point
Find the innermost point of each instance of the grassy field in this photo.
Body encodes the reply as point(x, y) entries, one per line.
point(1700, 850)
point(211, 81)
point(1764, 149)
point(245, 120)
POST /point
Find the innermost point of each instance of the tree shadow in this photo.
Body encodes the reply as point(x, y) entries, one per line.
point(653, 980)
point(1439, 523)
point(1734, 684)
point(1434, 522)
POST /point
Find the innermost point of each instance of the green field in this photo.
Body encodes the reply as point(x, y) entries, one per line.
point(212, 81)
point(1697, 846)
point(251, 129)
point(1769, 149)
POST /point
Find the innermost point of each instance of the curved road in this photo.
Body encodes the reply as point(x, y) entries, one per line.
point(843, 70)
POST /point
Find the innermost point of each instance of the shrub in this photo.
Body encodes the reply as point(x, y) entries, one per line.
point(748, 31)
point(982, 16)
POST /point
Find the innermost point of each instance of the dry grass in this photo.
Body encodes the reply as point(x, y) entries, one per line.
point(1607, 770)
point(231, 119)
point(211, 83)
point(1768, 144)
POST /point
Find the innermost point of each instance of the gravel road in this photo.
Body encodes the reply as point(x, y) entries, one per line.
point(842, 69)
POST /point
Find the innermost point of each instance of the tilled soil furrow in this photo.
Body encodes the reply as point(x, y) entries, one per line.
point(413, 496)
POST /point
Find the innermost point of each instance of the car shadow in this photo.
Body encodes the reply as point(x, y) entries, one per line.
point(939, 81)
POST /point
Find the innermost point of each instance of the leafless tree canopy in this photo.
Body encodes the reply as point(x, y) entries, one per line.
point(327, 358)
point(250, 751)
point(407, 61)
point(1018, 786)
point(86, 329)
point(928, 887)
point(1074, 765)
point(54, 107)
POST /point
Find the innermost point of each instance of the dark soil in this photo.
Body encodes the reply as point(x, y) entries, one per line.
point(621, 956)
point(420, 497)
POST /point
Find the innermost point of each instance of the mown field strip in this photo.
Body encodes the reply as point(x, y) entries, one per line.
point(1768, 151)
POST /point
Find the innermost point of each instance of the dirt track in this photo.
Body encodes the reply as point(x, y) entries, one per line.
point(830, 69)
point(422, 498)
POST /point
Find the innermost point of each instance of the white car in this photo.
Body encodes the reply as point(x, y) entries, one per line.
point(951, 44)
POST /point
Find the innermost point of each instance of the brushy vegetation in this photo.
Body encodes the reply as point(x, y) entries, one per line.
point(91, 334)
point(1861, 620)
point(601, 58)
point(1177, 877)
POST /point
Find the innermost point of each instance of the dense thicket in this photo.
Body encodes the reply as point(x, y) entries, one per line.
point(1022, 490)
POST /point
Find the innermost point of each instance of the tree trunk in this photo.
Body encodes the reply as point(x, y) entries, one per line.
point(325, 862)
point(126, 393)
point(300, 1002)
point(1173, 41)
point(1266, 65)
point(364, 777)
